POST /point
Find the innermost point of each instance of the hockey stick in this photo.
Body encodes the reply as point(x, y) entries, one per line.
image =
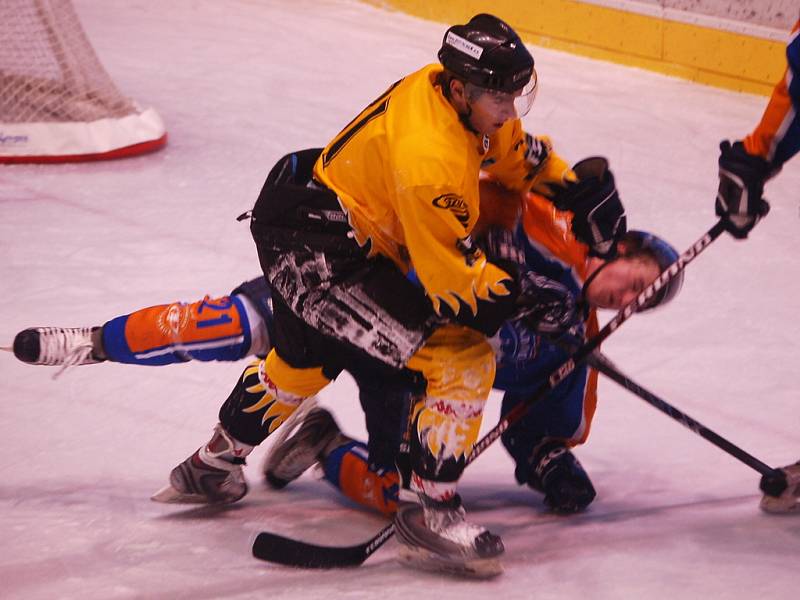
point(286, 551)
point(294, 553)
point(607, 368)
point(774, 482)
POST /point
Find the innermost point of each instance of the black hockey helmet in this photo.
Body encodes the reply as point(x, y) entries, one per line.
point(487, 53)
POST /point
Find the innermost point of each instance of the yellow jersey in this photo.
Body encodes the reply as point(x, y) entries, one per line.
point(406, 171)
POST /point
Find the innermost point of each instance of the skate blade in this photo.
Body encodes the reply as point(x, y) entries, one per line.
point(478, 568)
point(169, 495)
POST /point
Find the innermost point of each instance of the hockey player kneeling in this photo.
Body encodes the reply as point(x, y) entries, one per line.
point(541, 441)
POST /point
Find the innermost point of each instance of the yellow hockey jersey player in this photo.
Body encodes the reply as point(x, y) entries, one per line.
point(406, 170)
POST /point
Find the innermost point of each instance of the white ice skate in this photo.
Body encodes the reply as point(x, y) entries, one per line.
point(54, 346)
point(436, 536)
point(212, 475)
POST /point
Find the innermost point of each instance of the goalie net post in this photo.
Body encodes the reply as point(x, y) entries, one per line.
point(57, 102)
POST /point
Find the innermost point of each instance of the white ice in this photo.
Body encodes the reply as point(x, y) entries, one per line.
point(240, 83)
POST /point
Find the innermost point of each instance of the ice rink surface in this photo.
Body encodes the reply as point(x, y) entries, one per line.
point(239, 84)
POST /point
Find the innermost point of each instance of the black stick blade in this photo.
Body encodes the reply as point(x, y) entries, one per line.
point(277, 549)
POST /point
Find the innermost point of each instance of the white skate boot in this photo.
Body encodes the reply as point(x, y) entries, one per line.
point(212, 475)
point(64, 346)
point(436, 536)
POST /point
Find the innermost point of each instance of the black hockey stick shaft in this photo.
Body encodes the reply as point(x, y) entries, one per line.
point(286, 551)
point(607, 368)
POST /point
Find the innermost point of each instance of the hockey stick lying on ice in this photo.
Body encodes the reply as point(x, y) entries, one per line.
point(286, 551)
point(781, 487)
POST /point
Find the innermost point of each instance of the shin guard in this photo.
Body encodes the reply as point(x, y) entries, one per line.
point(347, 468)
point(209, 329)
point(267, 393)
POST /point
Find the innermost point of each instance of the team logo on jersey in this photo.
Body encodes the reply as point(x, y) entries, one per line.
point(454, 204)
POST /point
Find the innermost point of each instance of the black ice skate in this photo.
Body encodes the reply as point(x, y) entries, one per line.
point(212, 475)
point(558, 474)
point(315, 438)
point(56, 346)
point(435, 536)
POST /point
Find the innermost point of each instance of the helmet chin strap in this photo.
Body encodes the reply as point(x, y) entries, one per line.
point(464, 118)
point(590, 279)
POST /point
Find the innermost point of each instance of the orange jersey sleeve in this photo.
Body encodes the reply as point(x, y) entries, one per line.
point(777, 136)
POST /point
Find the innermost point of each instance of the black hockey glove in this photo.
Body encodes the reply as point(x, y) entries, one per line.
point(599, 217)
point(545, 305)
point(741, 184)
point(500, 243)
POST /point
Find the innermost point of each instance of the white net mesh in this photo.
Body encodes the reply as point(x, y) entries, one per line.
point(48, 69)
point(56, 99)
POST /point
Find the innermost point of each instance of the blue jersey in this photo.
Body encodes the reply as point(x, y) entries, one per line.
point(523, 357)
point(525, 360)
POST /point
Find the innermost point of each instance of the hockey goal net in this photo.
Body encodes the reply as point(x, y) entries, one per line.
point(57, 103)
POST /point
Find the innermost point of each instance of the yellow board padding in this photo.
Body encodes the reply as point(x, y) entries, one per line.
point(702, 54)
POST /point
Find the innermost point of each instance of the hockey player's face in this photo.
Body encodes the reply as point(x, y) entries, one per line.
point(620, 281)
point(490, 110)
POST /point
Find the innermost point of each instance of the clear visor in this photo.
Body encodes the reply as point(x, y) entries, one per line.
point(524, 102)
point(503, 102)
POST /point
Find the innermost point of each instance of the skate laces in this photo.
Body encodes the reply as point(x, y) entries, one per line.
point(67, 347)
